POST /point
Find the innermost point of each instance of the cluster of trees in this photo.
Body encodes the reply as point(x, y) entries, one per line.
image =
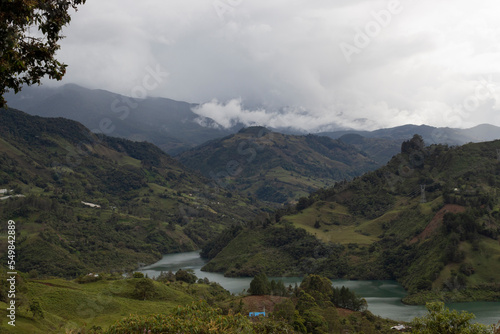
point(318, 287)
point(154, 289)
point(270, 193)
point(260, 285)
point(312, 308)
point(149, 155)
point(414, 144)
point(199, 317)
point(321, 289)
point(441, 320)
point(181, 275)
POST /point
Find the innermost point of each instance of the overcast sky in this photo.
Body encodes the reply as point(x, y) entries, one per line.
point(363, 64)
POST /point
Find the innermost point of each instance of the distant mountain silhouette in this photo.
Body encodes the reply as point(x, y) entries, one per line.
point(169, 124)
point(383, 144)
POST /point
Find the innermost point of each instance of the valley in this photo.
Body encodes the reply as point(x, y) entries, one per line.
point(255, 167)
point(254, 202)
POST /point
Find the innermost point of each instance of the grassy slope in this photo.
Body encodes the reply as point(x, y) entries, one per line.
point(68, 305)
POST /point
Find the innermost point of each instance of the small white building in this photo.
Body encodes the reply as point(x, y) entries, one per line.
point(92, 205)
point(399, 328)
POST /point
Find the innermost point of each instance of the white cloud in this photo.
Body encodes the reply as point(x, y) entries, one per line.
point(285, 55)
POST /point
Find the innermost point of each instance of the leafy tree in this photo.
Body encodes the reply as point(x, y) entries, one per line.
point(166, 277)
point(442, 320)
point(280, 289)
point(144, 289)
point(343, 297)
point(318, 286)
point(25, 57)
point(305, 302)
point(36, 309)
point(138, 274)
point(414, 144)
point(185, 276)
point(285, 310)
point(260, 285)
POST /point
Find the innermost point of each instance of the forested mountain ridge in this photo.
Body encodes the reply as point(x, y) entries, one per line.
point(430, 218)
point(85, 202)
point(277, 168)
point(382, 144)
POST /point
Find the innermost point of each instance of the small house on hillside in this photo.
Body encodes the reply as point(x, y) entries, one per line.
point(256, 314)
point(92, 205)
point(399, 328)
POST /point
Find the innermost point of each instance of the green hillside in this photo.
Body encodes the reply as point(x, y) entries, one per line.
point(87, 304)
point(277, 168)
point(444, 245)
point(114, 304)
point(55, 172)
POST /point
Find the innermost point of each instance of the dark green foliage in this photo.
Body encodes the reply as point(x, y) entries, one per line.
point(414, 144)
point(465, 225)
point(285, 310)
point(148, 154)
point(270, 194)
point(35, 309)
point(313, 311)
point(441, 320)
point(343, 297)
point(215, 245)
point(144, 289)
point(322, 291)
point(185, 276)
point(166, 277)
point(25, 57)
point(260, 285)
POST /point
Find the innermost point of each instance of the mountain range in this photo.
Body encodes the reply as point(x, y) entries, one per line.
point(175, 128)
point(170, 125)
